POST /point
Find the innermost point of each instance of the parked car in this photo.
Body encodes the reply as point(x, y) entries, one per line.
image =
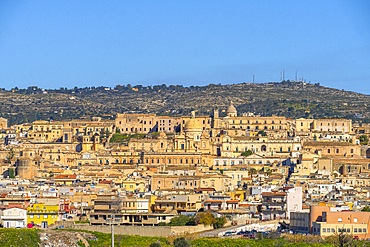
point(251, 235)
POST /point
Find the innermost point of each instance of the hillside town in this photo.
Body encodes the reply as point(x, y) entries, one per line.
point(146, 169)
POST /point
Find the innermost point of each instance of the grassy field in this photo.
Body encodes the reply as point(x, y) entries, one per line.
point(30, 238)
point(289, 241)
point(19, 237)
point(125, 240)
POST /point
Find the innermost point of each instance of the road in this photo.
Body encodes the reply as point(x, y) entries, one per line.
point(216, 232)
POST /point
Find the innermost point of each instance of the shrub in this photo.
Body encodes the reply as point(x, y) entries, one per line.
point(155, 244)
point(181, 242)
point(182, 220)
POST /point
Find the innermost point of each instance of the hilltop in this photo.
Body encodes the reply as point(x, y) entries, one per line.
point(287, 98)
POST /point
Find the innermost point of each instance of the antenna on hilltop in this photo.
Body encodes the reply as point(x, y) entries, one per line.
point(253, 79)
point(296, 75)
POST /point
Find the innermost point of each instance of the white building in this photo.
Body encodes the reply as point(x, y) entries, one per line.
point(14, 218)
point(294, 200)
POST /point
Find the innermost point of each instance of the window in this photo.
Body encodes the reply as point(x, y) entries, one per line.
point(324, 230)
point(45, 216)
point(355, 230)
point(355, 220)
point(340, 219)
point(31, 216)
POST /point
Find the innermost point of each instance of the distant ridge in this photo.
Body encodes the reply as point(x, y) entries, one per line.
point(287, 98)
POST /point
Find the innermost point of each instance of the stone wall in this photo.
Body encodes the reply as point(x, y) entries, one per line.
point(179, 230)
point(152, 231)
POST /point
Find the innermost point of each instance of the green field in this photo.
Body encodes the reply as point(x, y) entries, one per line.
point(19, 237)
point(30, 238)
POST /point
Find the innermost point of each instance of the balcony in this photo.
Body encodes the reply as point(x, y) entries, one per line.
point(273, 202)
point(273, 208)
point(12, 217)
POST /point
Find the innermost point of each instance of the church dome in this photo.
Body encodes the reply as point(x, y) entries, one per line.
point(231, 110)
point(192, 124)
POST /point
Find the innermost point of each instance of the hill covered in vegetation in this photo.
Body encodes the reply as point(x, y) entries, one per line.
point(287, 98)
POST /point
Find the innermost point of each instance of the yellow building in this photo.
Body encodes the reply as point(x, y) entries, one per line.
point(134, 185)
point(238, 194)
point(45, 131)
point(338, 149)
point(327, 125)
point(145, 123)
point(42, 215)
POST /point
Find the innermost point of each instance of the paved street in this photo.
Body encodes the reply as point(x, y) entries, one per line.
point(216, 232)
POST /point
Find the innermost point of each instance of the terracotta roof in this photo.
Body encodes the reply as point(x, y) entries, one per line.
point(232, 201)
point(213, 201)
point(273, 193)
point(205, 189)
point(105, 181)
point(64, 176)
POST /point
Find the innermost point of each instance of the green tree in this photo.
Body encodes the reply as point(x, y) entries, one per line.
point(181, 220)
point(219, 222)
point(247, 153)
point(365, 209)
point(181, 242)
point(364, 139)
point(205, 218)
point(252, 171)
point(11, 173)
point(262, 133)
point(10, 155)
point(341, 239)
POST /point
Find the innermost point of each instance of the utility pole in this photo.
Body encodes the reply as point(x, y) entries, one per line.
point(112, 231)
point(253, 79)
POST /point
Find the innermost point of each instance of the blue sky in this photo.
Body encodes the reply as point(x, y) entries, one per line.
point(54, 44)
